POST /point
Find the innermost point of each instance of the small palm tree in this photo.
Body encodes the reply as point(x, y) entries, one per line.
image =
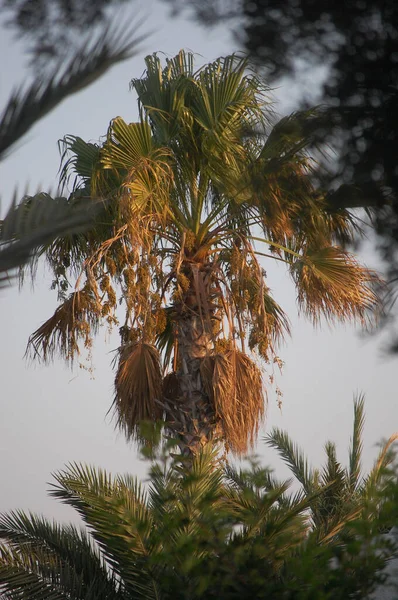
point(195, 532)
point(175, 538)
point(201, 188)
point(346, 493)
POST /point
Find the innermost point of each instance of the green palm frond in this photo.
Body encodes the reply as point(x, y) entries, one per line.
point(356, 445)
point(161, 94)
point(131, 150)
point(130, 143)
point(339, 495)
point(48, 560)
point(375, 478)
point(228, 102)
point(83, 160)
point(33, 223)
point(117, 512)
point(18, 579)
point(293, 457)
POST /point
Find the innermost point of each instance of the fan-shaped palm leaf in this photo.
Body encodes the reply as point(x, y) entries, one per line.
point(333, 284)
point(234, 384)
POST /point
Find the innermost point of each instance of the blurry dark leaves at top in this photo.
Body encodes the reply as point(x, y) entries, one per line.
point(37, 220)
point(360, 46)
point(90, 60)
point(53, 26)
point(208, 12)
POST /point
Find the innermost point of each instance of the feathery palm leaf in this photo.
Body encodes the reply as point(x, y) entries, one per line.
point(34, 223)
point(356, 442)
point(294, 458)
point(88, 63)
point(343, 493)
point(116, 511)
point(40, 555)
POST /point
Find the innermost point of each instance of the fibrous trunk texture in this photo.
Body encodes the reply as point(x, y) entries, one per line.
point(190, 410)
point(190, 413)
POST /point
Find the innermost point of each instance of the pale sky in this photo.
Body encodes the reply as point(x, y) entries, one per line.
point(51, 416)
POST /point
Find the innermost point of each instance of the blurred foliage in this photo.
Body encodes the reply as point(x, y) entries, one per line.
point(37, 220)
point(52, 27)
point(203, 530)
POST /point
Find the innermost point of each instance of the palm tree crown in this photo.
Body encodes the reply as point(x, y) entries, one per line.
point(199, 188)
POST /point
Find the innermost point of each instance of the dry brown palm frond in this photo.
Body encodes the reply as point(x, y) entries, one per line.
point(234, 384)
point(332, 283)
point(76, 319)
point(138, 386)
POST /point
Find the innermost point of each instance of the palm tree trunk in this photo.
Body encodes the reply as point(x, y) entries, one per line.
point(191, 414)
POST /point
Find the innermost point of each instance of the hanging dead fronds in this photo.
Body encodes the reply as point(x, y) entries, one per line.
point(75, 320)
point(234, 384)
point(138, 386)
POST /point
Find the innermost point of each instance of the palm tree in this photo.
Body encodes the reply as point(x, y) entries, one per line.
point(345, 492)
point(196, 531)
point(202, 188)
point(162, 542)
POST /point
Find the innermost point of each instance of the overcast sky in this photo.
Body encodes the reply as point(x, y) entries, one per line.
point(51, 415)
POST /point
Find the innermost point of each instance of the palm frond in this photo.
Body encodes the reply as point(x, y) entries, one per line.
point(332, 283)
point(131, 150)
point(116, 510)
point(138, 386)
point(356, 445)
point(88, 63)
point(332, 472)
point(76, 319)
point(293, 457)
point(234, 383)
point(386, 456)
point(18, 578)
point(60, 557)
point(83, 158)
point(35, 222)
